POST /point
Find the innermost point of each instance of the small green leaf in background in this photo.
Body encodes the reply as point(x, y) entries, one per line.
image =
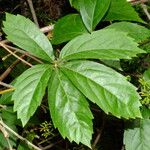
point(92, 11)
point(25, 34)
point(9, 118)
point(75, 4)
point(146, 46)
point(137, 136)
point(69, 110)
point(138, 32)
point(23, 146)
point(5, 99)
point(4, 143)
point(67, 28)
point(146, 75)
point(102, 44)
point(30, 89)
point(105, 87)
point(122, 10)
point(145, 112)
point(112, 63)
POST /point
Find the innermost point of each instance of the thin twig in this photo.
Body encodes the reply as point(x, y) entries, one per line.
point(51, 145)
point(18, 136)
point(144, 7)
point(10, 147)
point(10, 68)
point(24, 52)
point(6, 136)
point(135, 2)
point(4, 46)
point(7, 56)
point(6, 85)
point(99, 134)
point(7, 90)
point(3, 106)
point(123, 147)
point(5, 41)
point(33, 12)
point(47, 28)
point(5, 133)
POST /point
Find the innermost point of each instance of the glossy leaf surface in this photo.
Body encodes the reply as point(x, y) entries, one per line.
point(30, 89)
point(139, 33)
point(92, 11)
point(25, 34)
point(137, 137)
point(122, 10)
point(69, 110)
point(105, 87)
point(67, 28)
point(102, 44)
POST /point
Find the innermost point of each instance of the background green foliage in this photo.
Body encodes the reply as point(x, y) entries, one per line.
point(91, 71)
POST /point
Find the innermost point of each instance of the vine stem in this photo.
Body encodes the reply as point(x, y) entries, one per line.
point(18, 136)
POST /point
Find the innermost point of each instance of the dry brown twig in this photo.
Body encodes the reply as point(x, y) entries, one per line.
point(10, 68)
point(23, 52)
point(144, 7)
point(6, 135)
point(6, 85)
point(30, 3)
point(7, 56)
point(4, 126)
point(47, 28)
point(4, 46)
point(135, 2)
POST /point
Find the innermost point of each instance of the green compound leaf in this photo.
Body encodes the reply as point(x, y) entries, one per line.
point(103, 44)
point(137, 137)
point(122, 10)
point(67, 28)
point(138, 32)
point(105, 87)
point(69, 110)
point(25, 34)
point(92, 11)
point(30, 89)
